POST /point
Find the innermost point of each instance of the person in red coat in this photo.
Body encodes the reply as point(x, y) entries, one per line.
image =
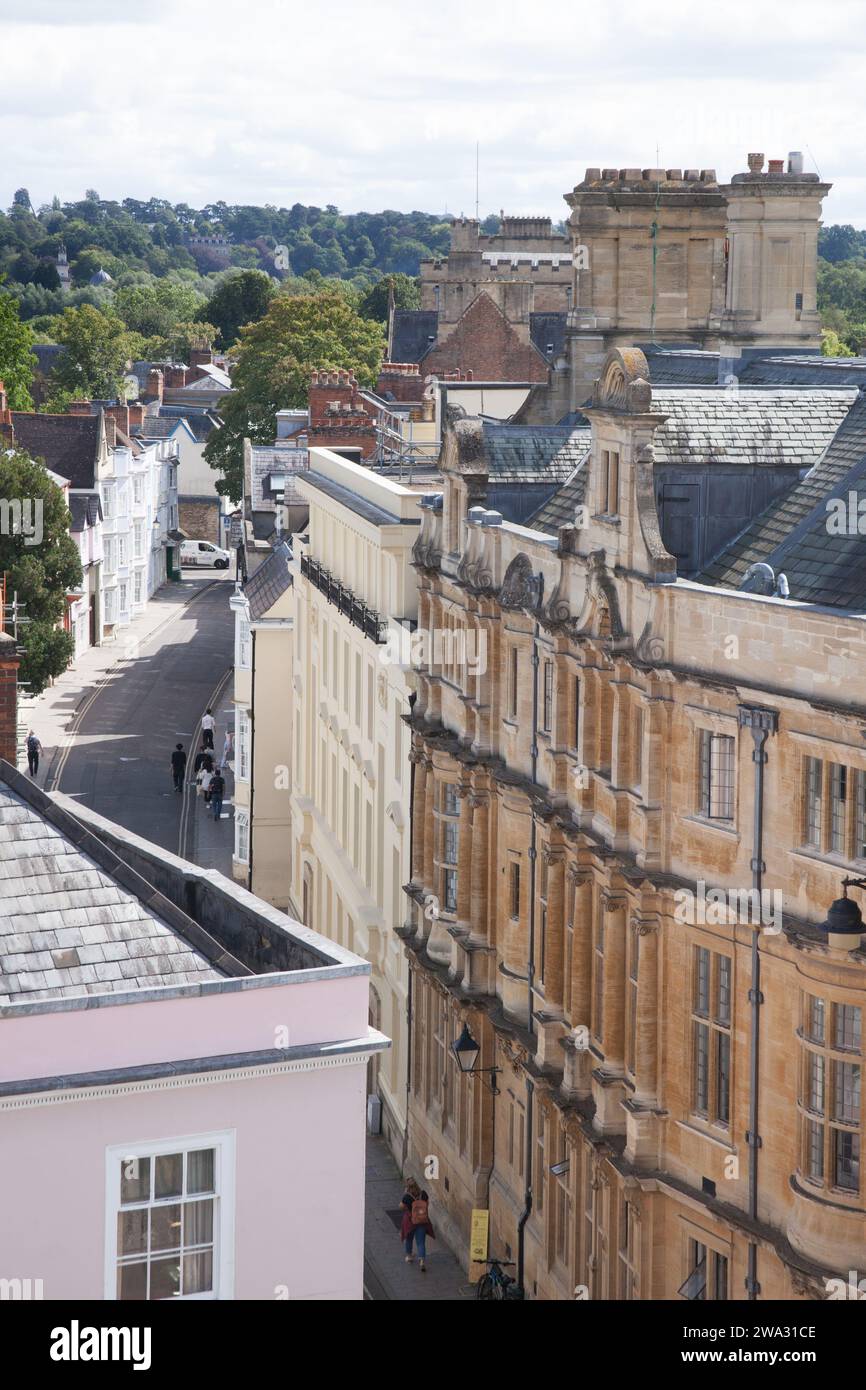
point(415, 1225)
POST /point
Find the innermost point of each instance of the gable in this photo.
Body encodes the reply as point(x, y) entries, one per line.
point(484, 343)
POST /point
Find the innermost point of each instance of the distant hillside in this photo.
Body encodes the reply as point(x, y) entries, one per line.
point(134, 242)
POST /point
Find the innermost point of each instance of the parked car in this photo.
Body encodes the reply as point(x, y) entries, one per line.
point(203, 553)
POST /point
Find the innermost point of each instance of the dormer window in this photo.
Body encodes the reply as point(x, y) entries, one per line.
point(610, 482)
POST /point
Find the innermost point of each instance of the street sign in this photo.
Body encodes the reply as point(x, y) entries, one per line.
point(479, 1234)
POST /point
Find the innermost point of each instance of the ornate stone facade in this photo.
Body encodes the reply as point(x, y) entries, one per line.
point(631, 743)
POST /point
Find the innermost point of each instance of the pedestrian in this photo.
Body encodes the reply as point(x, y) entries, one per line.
point(203, 759)
point(203, 781)
point(34, 748)
point(217, 792)
point(207, 727)
point(228, 750)
point(416, 1223)
point(178, 767)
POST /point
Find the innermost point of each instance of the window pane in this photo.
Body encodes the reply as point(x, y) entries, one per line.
point(721, 777)
point(165, 1278)
point(860, 816)
point(814, 770)
point(724, 1078)
point(198, 1272)
point(165, 1227)
point(846, 1092)
point(815, 1150)
point(838, 800)
point(702, 981)
point(847, 1160)
point(132, 1283)
point(815, 1019)
point(134, 1180)
point(132, 1232)
point(815, 1084)
point(720, 1277)
point(200, 1171)
point(702, 1069)
point(168, 1175)
point(198, 1223)
point(723, 1002)
point(847, 1030)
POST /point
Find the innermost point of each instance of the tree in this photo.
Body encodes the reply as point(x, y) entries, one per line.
point(21, 199)
point(156, 309)
point(832, 345)
point(17, 362)
point(407, 295)
point(97, 348)
point(42, 573)
point(46, 275)
point(276, 356)
point(236, 301)
point(178, 344)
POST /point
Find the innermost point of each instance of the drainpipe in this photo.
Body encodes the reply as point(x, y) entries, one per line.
point(527, 1195)
point(252, 718)
point(530, 974)
point(761, 723)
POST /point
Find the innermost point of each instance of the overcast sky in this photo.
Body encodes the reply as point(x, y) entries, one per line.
point(378, 103)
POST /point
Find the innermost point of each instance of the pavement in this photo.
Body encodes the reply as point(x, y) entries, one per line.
point(387, 1277)
point(109, 724)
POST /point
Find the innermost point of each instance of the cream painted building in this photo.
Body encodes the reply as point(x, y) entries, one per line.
point(349, 691)
point(262, 736)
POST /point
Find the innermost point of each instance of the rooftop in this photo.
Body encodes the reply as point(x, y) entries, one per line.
point(68, 444)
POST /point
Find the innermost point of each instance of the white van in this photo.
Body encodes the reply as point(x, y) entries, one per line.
point(203, 553)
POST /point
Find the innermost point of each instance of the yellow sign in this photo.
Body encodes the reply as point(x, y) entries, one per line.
point(478, 1235)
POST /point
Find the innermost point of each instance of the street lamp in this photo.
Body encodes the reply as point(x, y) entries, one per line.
point(466, 1051)
point(844, 918)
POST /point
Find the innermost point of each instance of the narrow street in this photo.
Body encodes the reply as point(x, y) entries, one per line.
point(124, 729)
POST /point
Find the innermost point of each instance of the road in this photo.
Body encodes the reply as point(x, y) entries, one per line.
point(118, 763)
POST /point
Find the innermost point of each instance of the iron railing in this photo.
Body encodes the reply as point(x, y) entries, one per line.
point(359, 613)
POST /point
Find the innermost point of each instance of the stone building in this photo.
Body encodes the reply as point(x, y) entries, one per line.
point(631, 822)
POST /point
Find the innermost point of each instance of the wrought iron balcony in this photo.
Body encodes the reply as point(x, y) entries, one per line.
point(360, 614)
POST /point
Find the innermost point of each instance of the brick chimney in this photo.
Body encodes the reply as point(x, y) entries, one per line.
point(79, 408)
point(154, 383)
point(119, 413)
point(7, 431)
point(110, 430)
point(8, 698)
point(136, 411)
point(175, 377)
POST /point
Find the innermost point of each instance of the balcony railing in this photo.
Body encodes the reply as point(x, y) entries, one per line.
point(360, 614)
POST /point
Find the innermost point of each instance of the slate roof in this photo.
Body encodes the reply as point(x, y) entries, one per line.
point(85, 508)
point(68, 928)
point(201, 422)
point(156, 427)
point(547, 331)
point(415, 332)
point(68, 444)
point(792, 534)
point(782, 428)
point(270, 581)
point(560, 509)
point(215, 379)
point(533, 453)
point(687, 365)
point(816, 371)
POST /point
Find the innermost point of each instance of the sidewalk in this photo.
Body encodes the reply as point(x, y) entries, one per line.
point(386, 1274)
point(53, 713)
point(208, 843)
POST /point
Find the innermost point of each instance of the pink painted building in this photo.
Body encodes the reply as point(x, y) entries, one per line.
point(182, 1074)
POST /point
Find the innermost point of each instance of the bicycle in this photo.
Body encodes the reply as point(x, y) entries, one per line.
point(496, 1285)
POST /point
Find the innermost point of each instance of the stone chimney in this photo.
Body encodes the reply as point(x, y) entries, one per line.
point(8, 698)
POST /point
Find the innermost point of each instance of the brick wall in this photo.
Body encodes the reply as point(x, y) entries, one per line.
point(484, 343)
point(403, 380)
point(338, 415)
point(200, 520)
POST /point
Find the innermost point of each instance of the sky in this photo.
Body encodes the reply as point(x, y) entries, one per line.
point(372, 104)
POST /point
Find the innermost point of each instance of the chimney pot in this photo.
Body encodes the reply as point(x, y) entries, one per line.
point(776, 166)
point(756, 163)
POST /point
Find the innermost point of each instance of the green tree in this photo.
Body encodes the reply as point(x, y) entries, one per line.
point(832, 345)
point(42, 573)
point(178, 344)
point(274, 361)
point(17, 362)
point(239, 299)
point(97, 348)
point(156, 309)
point(407, 295)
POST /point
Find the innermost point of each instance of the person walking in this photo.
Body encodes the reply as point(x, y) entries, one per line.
point(203, 781)
point(34, 748)
point(203, 759)
point(217, 792)
point(178, 767)
point(416, 1226)
point(208, 724)
point(228, 750)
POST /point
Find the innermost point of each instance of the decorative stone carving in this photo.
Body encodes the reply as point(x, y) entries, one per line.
point(383, 690)
point(650, 647)
point(624, 382)
point(521, 588)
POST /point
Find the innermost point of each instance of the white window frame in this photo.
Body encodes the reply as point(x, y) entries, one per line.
point(223, 1144)
point(244, 651)
point(242, 765)
point(242, 828)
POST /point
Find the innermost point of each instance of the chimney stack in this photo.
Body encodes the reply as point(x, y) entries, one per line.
point(110, 430)
point(154, 384)
point(79, 408)
point(7, 432)
point(120, 414)
point(8, 696)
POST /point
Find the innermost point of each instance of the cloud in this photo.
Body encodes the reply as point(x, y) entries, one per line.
point(374, 104)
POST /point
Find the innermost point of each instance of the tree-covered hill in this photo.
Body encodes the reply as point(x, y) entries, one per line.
point(135, 242)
